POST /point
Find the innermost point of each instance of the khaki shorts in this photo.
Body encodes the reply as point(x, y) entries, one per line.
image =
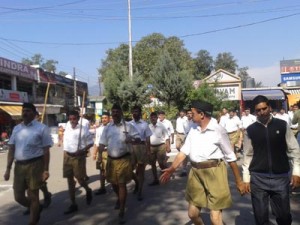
point(180, 138)
point(102, 165)
point(234, 138)
point(208, 188)
point(74, 167)
point(139, 154)
point(119, 171)
point(158, 153)
point(29, 176)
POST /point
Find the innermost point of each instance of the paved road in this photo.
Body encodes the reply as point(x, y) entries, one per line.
point(162, 205)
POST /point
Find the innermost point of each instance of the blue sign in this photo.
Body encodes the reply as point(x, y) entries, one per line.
point(290, 77)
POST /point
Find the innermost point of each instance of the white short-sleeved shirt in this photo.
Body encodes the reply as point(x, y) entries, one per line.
point(99, 132)
point(248, 120)
point(143, 128)
point(73, 141)
point(29, 140)
point(159, 134)
point(114, 137)
point(232, 124)
point(168, 125)
point(211, 143)
point(180, 124)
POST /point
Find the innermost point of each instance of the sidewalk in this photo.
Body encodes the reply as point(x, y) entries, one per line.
point(162, 205)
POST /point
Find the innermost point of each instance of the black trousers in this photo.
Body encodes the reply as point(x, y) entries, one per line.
point(273, 190)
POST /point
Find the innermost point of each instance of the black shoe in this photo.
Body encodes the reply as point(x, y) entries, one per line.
point(140, 198)
point(26, 212)
point(71, 209)
point(122, 218)
point(40, 211)
point(101, 191)
point(47, 200)
point(86, 178)
point(183, 174)
point(89, 196)
point(117, 205)
point(154, 183)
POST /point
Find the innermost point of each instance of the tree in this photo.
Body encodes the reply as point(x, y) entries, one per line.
point(132, 93)
point(169, 84)
point(203, 64)
point(37, 59)
point(243, 74)
point(226, 62)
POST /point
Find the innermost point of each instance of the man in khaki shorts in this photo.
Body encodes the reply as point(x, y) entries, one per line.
point(207, 145)
point(117, 136)
point(105, 118)
point(141, 151)
point(29, 146)
point(77, 141)
point(159, 146)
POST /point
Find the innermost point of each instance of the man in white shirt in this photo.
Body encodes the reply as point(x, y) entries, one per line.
point(207, 145)
point(118, 137)
point(180, 137)
point(247, 119)
point(141, 150)
point(160, 145)
point(105, 118)
point(77, 141)
point(224, 117)
point(168, 125)
point(233, 127)
point(29, 147)
point(284, 116)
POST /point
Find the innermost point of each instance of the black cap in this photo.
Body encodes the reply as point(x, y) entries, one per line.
point(29, 106)
point(205, 107)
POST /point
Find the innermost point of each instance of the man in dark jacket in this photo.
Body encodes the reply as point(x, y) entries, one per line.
point(268, 145)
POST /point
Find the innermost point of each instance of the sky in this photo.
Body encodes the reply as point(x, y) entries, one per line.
point(77, 33)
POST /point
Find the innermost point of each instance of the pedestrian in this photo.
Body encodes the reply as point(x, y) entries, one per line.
point(105, 118)
point(168, 125)
point(207, 145)
point(233, 126)
point(268, 144)
point(181, 123)
point(141, 150)
point(118, 137)
point(29, 147)
point(77, 141)
point(159, 146)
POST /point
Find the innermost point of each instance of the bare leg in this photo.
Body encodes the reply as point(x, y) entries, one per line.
point(216, 217)
point(194, 214)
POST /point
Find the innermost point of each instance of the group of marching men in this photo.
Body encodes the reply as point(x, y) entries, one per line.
point(122, 149)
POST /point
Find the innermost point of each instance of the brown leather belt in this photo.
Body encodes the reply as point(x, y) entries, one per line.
point(120, 157)
point(139, 143)
point(157, 145)
point(181, 133)
point(206, 164)
point(27, 161)
point(76, 154)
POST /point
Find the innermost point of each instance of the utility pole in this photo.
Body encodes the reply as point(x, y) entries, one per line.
point(130, 44)
point(75, 88)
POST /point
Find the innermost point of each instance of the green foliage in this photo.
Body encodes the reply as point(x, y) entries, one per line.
point(37, 59)
point(169, 84)
point(132, 93)
point(226, 62)
point(203, 64)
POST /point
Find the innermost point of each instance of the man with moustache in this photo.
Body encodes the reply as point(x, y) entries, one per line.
point(29, 147)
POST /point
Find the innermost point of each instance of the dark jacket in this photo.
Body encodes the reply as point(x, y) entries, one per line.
point(269, 147)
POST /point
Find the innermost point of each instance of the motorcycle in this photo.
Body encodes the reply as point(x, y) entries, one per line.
point(4, 145)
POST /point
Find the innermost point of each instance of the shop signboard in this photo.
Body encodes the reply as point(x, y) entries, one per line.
point(13, 96)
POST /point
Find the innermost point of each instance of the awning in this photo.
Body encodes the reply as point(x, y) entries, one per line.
point(275, 94)
point(294, 91)
point(12, 110)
